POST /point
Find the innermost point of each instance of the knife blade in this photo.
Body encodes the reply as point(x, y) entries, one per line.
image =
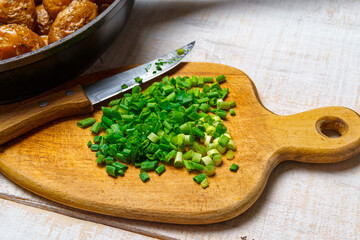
point(111, 86)
point(19, 118)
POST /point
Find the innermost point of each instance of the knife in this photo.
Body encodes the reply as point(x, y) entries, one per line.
point(19, 118)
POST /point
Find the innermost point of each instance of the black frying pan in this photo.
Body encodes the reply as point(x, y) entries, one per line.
point(31, 73)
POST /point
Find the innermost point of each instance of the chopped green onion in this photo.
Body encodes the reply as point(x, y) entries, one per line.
point(111, 171)
point(199, 178)
point(95, 128)
point(232, 112)
point(86, 122)
point(234, 167)
point(217, 158)
point(178, 160)
point(180, 51)
point(144, 177)
point(231, 145)
point(153, 137)
point(160, 169)
point(169, 120)
point(148, 166)
point(209, 170)
point(230, 155)
point(206, 160)
point(124, 86)
point(223, 140)
point(220, 79)
point(205, 183)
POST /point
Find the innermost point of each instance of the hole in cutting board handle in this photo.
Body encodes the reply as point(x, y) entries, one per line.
point(331, 127)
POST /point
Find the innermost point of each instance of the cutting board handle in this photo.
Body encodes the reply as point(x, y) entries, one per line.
point(19, 118)
point(323, 135)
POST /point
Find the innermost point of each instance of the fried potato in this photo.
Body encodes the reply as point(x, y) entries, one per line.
point(43, 20)
point(17, 39)
point(72, 18)
point(19, 12)
point(54, 7)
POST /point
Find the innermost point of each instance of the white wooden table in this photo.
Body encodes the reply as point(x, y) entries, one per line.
point(300, 54)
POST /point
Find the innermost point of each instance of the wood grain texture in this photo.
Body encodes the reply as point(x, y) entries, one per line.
point(19, 118)
point(49, 225)
point(64, 170)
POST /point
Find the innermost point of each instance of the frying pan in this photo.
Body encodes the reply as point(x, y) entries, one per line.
point(34, 72)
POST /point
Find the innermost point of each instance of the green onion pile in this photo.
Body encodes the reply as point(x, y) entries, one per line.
point(173, 122)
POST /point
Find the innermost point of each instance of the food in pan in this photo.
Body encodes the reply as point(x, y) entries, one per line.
point(18, 11)
point(27, 25)
point(72, 18)
point(17, 39)
point(43, 20)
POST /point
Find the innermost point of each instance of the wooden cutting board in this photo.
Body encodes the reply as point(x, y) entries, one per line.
point(54, 161)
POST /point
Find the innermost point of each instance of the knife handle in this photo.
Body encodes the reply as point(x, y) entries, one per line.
point(19, 118)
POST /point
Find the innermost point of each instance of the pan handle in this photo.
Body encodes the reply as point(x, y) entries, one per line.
point(19, 118)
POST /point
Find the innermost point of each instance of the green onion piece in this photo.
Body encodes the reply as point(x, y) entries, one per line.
point(124, 86)
point(230, 155)
point(223, 105)
point(199, 178)
point(148, 166)
point(95, 128)
point(220, 79)
point(201, 149)
point(232, 104)
point(114, 102)
point(223, 140)
point(121, 173)
point(206, 89)
point(197, 166)
point(205, 183)
point(94, 147)
point(188, 165)
point(198, 132)
point(204, 107)
point(217, 158)
point(109, 160)
point(86, 122)
point(108, 122)
point(221, 149)
point(170, 156)
point(160, 169)
point(111, 171)
point(180, 51)
point(136, 89)
point(231, 145)
point(100, 159)
point(208, 79)
point(209, 170)
point(144, 177)
point(211, 152)
point(153, 137)
point(196, 157)
point(234, 167)
point(189, 154)
point(89, 143)
point(138, 79)
point(200, 82)
point(221, 113)
point(232, 112)
point(206, 160)
point(178, 160)
point(120, 166)
point(194, 81)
